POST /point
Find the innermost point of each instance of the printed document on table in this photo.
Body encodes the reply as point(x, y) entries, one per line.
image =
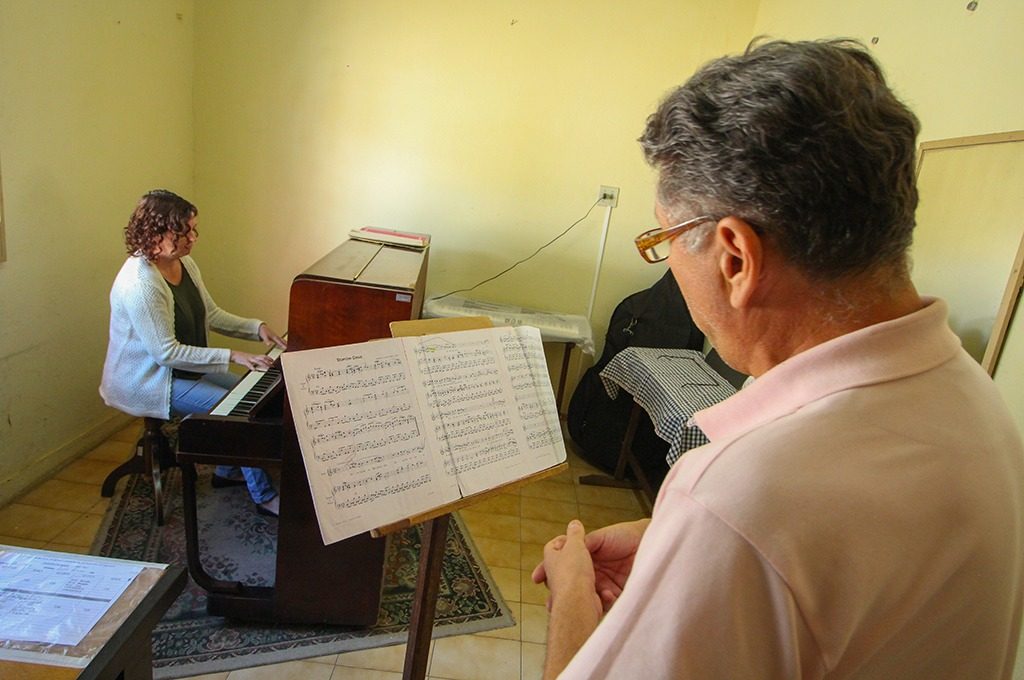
point(57, 600)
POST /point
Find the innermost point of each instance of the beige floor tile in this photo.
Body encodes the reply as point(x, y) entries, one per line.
point(112, 451)
point(501, 504)
point(19, 542)
point(290, 670)
point(531, 554)
point(66, 548)
point(533, 661)
point(595, 517)
point(487, 525)
point(80, 532)
point(549, 510)
point(38, 524)
point(563, 477)
point(330, 659)
point(100, 506)
point(532, 593)
point(545, 488)
point(508, 582)
point(345, 673)
point(208, 676)
point(510, 632)
point(582, 468)
point(540, 531)
point(607, 497)
point(60, 494)
point(534, 623)
point(498, 553)
point(379, 658)
point(129, 433)
point(470, 657)
point(87, 471)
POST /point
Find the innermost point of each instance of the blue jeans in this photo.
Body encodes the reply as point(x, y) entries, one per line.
point(199, 396)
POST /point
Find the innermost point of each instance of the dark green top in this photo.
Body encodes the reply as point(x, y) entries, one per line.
point(189, 318)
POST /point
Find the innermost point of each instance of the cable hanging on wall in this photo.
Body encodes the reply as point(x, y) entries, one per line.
point(510, 268)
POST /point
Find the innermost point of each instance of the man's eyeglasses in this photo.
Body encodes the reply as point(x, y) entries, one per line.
point(656, 244)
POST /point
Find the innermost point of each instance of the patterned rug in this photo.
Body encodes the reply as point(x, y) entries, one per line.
point(189, 642)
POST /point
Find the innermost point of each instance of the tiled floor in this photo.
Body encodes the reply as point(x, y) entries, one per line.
point(509, 530)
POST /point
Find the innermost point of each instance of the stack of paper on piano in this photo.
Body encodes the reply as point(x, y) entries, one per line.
point(404, 239)
point(393, 428)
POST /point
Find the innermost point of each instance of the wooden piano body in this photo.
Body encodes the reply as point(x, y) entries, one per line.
point(350, 295)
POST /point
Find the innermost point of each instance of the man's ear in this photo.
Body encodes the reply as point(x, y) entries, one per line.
point(741, 259)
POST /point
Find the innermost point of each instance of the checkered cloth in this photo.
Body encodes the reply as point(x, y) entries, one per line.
point(671, 385)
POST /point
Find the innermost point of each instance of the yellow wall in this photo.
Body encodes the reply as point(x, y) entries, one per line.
point(959, 70)
point(489, 125)
point(95, 108)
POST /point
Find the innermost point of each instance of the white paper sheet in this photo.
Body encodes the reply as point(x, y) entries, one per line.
point(57, 600)
point(393, 428)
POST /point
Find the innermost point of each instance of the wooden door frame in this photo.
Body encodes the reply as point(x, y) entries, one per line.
point(1012, 290)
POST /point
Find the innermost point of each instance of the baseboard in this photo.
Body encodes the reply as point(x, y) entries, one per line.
point(43, 468)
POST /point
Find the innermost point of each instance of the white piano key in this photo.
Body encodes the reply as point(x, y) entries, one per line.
point(231, 399)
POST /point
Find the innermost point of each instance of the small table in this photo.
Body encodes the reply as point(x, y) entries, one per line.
point(670, 385)
point(119, 646)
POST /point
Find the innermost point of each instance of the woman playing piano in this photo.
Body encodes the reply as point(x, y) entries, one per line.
point(158, 363)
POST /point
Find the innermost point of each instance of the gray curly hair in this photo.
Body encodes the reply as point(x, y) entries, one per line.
point(805, 141)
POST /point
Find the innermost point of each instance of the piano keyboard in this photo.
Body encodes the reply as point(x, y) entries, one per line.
point(240, 400)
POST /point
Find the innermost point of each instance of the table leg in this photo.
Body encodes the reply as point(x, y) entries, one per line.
point(421, 625)
point(566, 355)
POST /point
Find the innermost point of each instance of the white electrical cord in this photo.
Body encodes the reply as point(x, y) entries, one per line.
point(600, 259)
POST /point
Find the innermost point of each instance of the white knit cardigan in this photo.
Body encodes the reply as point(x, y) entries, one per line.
point(142, 349)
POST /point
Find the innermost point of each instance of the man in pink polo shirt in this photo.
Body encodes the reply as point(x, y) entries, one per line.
point(858, 512)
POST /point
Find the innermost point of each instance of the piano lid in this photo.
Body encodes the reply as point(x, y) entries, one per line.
point(369, 263)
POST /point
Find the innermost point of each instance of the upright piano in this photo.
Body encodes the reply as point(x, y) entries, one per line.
point(350, 295)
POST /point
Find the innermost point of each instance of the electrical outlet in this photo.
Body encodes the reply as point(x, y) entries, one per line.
point(608, 196)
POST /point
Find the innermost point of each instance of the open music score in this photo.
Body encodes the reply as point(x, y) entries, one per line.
point(390, 429)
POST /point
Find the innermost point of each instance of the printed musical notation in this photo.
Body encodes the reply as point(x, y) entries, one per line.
point(360, 426)
point(393, 428)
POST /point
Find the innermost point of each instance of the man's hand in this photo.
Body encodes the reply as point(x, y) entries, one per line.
point(573, 602)
point(567, 564)
point(612, 550)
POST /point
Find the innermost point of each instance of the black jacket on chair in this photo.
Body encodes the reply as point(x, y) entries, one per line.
point(655, 317)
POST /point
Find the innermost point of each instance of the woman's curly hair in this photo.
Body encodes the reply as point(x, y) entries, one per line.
point(158, 212)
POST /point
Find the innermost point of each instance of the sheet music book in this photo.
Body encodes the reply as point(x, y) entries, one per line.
point(389, 429)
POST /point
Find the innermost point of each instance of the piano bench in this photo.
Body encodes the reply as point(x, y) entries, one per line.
point(153, 454)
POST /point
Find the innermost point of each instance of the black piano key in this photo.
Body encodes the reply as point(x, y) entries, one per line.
point(260, 388)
